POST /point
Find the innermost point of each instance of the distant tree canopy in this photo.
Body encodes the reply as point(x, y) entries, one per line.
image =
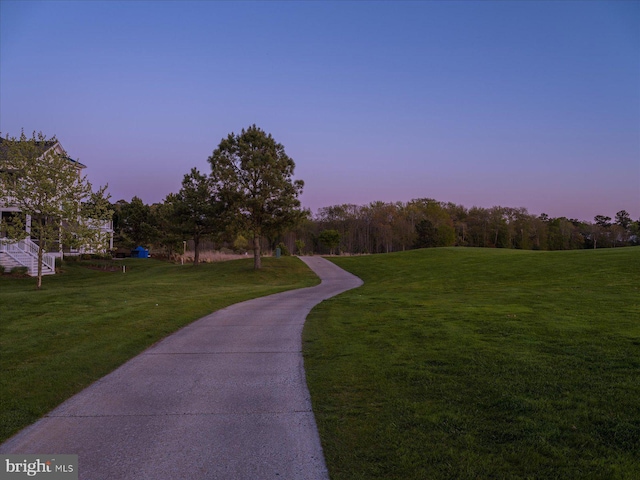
point(421, 223)
point(382, 227)
point(254, 176)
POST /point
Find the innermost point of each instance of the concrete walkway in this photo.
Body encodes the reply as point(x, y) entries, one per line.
point(224, 398)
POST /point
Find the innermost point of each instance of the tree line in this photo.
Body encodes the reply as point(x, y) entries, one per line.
point(250, 194)
point(249, 201)
point(381, 227)
point(421, 223)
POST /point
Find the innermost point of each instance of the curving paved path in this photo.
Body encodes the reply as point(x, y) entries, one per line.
point(223, 398)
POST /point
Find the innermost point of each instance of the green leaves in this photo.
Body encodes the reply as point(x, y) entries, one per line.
point(47, 187)
point(136, 223)
point(253, 174)
point(197, 209)
point(330, 238)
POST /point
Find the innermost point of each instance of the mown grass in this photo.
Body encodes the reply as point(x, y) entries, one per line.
point(469, 363)
point(84, 323)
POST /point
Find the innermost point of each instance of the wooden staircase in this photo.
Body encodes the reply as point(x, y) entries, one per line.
point(24, 253)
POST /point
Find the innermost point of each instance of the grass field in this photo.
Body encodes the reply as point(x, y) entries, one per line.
point(469, 363)
point(84, 323)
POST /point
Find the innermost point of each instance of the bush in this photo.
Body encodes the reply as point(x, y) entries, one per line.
point(240, 245)
point(19, 271)
point(1, 269)
point(88, 257)
point(284, 251)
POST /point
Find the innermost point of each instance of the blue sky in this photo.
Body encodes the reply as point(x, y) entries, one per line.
point(530, 104)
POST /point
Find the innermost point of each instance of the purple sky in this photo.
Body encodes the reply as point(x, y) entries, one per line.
point(530, 104)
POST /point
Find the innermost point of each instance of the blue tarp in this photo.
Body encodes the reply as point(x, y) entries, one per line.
point(139, 252)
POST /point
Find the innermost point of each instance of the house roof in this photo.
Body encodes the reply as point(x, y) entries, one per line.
point(43, 147)
point(81, 165)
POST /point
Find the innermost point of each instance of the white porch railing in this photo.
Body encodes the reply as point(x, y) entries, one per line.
point(25, 252)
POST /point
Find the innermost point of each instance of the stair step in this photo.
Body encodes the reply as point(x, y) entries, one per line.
point(9, 263)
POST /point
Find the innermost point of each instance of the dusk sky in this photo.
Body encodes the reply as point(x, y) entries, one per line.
point(530, 104)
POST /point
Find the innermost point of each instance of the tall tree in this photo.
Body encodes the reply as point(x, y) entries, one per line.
point(634, 230)
point(197, 210)
point(623, 219)
point(458, 214)
point(255, 178)
point(602, 220)
point(136, 224)
point(382, 217)
point(38, 178)
point(331, 239)
point(169, 238)
point(601, 231)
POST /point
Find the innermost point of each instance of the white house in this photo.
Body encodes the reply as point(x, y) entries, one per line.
point(25, 252)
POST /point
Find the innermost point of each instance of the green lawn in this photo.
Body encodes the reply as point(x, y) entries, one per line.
point(84, 323)
point(480, 363)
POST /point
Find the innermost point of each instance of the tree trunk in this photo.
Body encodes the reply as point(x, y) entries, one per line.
point(257, 264)
point(39, 284)
point(196, 250)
